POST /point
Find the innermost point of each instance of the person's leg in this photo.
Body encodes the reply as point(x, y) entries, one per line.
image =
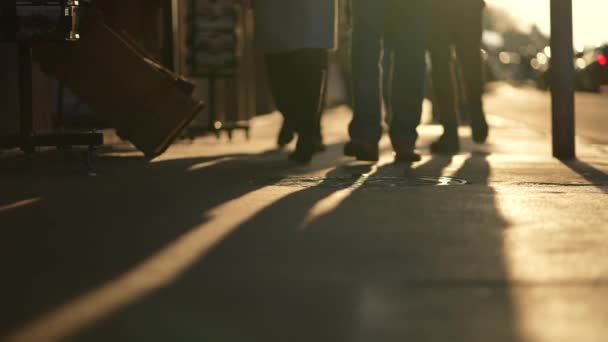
point(286, 134)
point(407, 35)
point(281, 64)
point(277, 65)
point(368, 30)
point(319, 146)
point(462, 105)
point(443, 80)
point(297, 79)
point(468, 45)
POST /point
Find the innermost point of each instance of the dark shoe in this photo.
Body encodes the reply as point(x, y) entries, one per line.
point(362, 151)
point(447, 144)
point(319, 146)
point(305, 149)
point(286, 135)
point(479, 126)
point(304, 154)
point(300, 157)
point(406, 153)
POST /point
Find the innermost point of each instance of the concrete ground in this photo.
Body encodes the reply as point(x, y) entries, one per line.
point(227, 241)
point(533, 107)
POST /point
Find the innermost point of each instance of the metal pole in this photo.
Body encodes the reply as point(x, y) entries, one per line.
point(562, 79)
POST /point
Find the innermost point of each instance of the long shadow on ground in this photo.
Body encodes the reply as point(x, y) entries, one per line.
point(595, 176)
point(65, 235)
point(350, 263)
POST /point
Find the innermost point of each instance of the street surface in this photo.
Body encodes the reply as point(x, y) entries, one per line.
point(533, 107)
point(228, 242)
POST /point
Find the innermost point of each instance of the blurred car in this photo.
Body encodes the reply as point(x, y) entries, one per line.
point(540, 64)
point(592, 69)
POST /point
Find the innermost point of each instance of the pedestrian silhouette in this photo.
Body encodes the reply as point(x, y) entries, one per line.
point(295, 37)
point(457, 30)
point(399, 28)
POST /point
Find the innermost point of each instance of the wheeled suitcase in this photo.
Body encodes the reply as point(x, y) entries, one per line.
point(146, 103)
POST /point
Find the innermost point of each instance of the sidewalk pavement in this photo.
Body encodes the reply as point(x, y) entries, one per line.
point(227, 241)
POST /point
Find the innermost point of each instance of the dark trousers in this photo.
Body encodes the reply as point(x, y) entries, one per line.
point(399, 28)
point(460, 29)
point(297, 80)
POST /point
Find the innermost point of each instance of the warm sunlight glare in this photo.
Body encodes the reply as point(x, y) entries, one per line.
point(589, 17)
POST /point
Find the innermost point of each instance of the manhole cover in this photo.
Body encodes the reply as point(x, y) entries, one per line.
point(356, 181)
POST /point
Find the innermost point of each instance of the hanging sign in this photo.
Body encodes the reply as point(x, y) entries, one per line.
point(212, 39)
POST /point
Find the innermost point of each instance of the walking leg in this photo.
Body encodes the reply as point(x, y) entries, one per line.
point(368, 31)
point(468, 45)
point(407, 36)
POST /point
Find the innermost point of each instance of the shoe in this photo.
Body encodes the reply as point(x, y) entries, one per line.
point(286, 135)
point(479, 127)
point(300, 157)
point(319, 146)
point(447, 144)
point(362, 151)
point(406, 153)
point(304, 155)
point(305, 149)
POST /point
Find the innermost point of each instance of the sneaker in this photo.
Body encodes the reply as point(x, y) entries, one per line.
point(363, 151)
point(447, 144)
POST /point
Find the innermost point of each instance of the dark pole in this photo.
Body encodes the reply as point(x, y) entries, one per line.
point(562, 79)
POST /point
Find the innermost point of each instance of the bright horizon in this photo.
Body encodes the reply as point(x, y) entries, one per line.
point(590, 17)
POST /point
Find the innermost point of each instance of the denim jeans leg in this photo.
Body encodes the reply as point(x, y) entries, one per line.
point(368, 30)
point(407, 37)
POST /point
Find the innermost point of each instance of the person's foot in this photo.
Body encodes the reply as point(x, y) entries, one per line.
point(286, 135)
point(447, 144)
point(479, 127)
point(319, 146)
point(300, 157)
point(304, 155)
point(363, 151)
point(406, 153)
point(305, 149)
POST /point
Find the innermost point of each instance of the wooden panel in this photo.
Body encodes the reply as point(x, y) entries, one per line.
point(9, 104)
point(143, 20)
point(43, 101)
point(121, 85)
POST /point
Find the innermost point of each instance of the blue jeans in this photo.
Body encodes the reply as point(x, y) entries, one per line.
point(398, 30)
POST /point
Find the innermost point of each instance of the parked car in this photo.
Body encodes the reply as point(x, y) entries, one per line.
point(592, 69)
